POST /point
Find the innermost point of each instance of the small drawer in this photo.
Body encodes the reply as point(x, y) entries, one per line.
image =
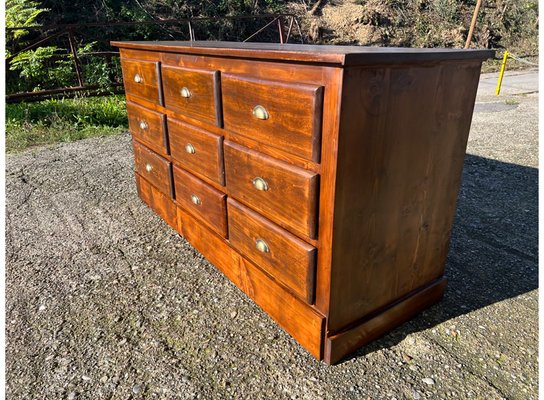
point(283, 193)
point(286, 116)
point(152, 167)
point(158, 202)
point(279, 253)
point(148, 127)
point(193, 93)
point(142, 79)
point(197, 151)
point(202, 200)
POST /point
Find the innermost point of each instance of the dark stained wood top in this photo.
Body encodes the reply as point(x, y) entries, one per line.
point(321, 54)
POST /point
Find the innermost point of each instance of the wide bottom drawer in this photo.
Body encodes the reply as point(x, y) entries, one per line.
point(301, 321)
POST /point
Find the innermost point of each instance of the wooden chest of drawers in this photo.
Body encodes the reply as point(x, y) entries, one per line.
point(322, 180)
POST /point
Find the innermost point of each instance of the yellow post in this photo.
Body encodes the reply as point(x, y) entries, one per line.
point(501, 74)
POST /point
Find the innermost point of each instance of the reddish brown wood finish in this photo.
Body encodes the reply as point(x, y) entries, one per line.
point(291, 197)
point(158, 202)
point(204, 101)
point(153, 168)
point(289, 259)
point(150, 87)
point(376, 325)
point(404, 173)
point(207, 158)
point(208, 205)
point(307, 54)
point(294, 113)
point(148, 127)
point(297, 318)
point(370, 189)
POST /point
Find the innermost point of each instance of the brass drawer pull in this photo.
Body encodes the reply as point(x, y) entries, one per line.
point(138, 78)
point(260, 184)
point(262, 246)
point(149, 167)
point(143, 125)
point(189, 148)
point(196, 200)
point(260, 112)
point(185, 92)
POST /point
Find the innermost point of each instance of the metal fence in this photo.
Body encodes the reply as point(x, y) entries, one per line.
point(285, 24)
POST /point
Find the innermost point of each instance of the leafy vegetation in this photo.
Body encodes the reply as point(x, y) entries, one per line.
point(50, 121)
point(417, 23)
point(53, 66)
point(501, 24)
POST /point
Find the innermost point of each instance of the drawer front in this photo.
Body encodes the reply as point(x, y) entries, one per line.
point(142, 79)
point(282, 115)
point(201, 200)
point(193, 93)
point(281, 192)
point(158, 202)
point(152, 167)
point(281, 254)
point(148, 127)
point(299, 319)
point(196, 150)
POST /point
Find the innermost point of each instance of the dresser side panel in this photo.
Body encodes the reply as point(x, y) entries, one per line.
point(402, 141)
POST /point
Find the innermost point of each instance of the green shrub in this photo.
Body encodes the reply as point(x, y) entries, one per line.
point(51, 121)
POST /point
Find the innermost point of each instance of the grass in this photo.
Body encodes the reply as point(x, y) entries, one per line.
point(64, 120)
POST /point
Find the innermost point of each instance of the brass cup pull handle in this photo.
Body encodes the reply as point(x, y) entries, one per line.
point(185, 92)
point(260, 112)
point(260, 184)
point(195, 200)
point(189, 148)
point(149, 167)
point(143, 125)
point(262, 246)
point(138, 78)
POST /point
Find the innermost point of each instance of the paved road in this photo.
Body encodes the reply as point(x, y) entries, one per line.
point(105, 301)
point(513, 83)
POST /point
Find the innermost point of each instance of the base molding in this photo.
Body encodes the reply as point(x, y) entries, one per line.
point(341, 344)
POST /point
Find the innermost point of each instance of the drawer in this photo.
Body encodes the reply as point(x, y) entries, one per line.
point(148, 127)
point(158, 202)
point(142, 79)
point(279, 253)
point(286, 116)
point(202, 200)
point(152, 167)
point(193, 93)
point(299, 319)
point(197, 150)
point(283, 193)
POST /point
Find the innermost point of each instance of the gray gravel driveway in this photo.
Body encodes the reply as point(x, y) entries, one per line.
point(105, 301)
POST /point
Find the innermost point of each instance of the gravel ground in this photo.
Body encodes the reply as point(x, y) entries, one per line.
point(105, 301)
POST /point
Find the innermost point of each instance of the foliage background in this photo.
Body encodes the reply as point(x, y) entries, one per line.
point(511, 24)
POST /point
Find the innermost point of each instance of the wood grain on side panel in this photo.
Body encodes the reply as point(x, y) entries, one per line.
point(401, 149)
